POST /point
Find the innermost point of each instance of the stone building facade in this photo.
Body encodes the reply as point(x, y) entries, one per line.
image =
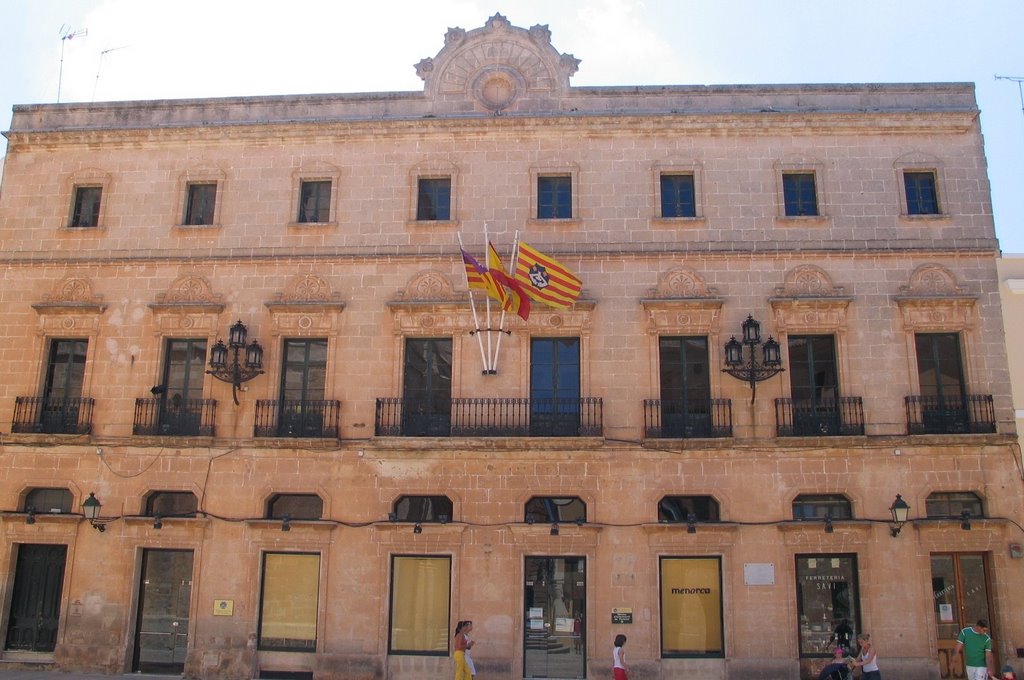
point(396, 463)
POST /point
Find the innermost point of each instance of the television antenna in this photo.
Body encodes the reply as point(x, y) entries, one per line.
point(67, 34)
point(103, 54)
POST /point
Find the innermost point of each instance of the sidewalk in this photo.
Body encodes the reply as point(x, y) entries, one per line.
point(29, 674)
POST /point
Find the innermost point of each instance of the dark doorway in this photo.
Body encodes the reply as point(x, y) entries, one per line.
point(161, 634)
point(35, 602)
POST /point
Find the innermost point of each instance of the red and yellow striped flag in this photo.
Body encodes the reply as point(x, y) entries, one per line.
point(545, 279)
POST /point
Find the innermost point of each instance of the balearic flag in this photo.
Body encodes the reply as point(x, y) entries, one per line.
point(478, 277)
point(545, 279)
point(515, 297)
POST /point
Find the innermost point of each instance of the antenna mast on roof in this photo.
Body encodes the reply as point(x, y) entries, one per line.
point(1020, 89)
point(67, 34)
point(103, 54)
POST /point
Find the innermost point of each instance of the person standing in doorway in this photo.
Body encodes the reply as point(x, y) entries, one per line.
point(619, 669)
point(977, 646)
point(462, 645)
point(867, 659)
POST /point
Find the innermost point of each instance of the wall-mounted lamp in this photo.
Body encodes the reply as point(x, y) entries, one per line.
point(235, 371)
point(829, 529)
point(691, 523)
point(554, 529)
point(91, 507)
point(750, 370)
point(965, 520)
point(30, 516)
point(899, 510)
point(286, 523)
point(418, 529)
point(158, 521)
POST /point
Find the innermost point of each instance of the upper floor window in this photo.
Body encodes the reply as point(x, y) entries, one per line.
point(685, 386)
point(171, 504)
point(86, 210)
point(200, 201)
point(945, 504)
point(553, 509)
point(922, 197)
point(554, 197)
point(55, 501)
point(434, 199)
point(680, 509)
point(314, 201)
point(820, 506)
point(422, 509)
point(799, 194)
point(307, 506)
point(678, 198)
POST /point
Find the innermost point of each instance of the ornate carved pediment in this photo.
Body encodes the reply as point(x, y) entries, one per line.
point(70, 307)
point(495, 68)
point(809, 302)
point(682, 304)
point(934, 301)
point(306, 306)
point(189, 306)
point(430, 304)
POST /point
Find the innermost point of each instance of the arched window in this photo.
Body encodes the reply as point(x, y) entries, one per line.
point(51, 501)
point(944, 504)
point(551, 509)
point(295, 506)
point(820, 506)
point(171, 504)
point(422, 509)
point(679, 509)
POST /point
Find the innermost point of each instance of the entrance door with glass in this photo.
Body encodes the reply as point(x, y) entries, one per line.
point(161, 634)
point(554, 639)
point(960, 589)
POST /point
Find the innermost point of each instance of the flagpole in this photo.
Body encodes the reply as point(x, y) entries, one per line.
point(472, 306)
point(501, 324)
point(490, 357)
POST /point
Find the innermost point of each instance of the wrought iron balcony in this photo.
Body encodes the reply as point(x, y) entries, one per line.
point(490, 417)
point(966, 414)
point(672, 419)
point(827, 418)
point(170, 417)
point(53, 416)
point(297, 418)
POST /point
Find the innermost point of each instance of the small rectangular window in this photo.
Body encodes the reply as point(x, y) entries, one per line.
point(554, 197)
point(314, 201)
point(921, 196)
point(420, 605)
point(799, 194)
point(434, 199)
point(200, 202)
point(677, 196)
point(87, 207)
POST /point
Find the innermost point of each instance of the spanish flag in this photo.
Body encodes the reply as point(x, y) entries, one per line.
point(545, 279)
point(516, 300)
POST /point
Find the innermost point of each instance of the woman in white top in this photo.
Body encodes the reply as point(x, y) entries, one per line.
point(867, 659)
point(619, 669)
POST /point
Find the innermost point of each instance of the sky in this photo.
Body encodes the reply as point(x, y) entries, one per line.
point(113, 50)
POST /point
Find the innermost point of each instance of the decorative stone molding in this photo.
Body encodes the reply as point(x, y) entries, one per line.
point(430, 304)
point(189, 306)
point(306, 307)
point(933, 301)
point(809, 302)
point(70, 307)
point(682, 304)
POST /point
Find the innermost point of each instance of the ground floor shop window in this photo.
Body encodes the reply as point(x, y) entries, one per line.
point(289, 602)
point(691, 607)
point(828, 603)
point(420, 604)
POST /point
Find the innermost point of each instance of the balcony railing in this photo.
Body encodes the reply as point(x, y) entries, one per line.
point(670, 419)
point(967, 414)
point(53, 416)
point(827, 418)
point(487, 417)
point(165, 417)
point(297, 418)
